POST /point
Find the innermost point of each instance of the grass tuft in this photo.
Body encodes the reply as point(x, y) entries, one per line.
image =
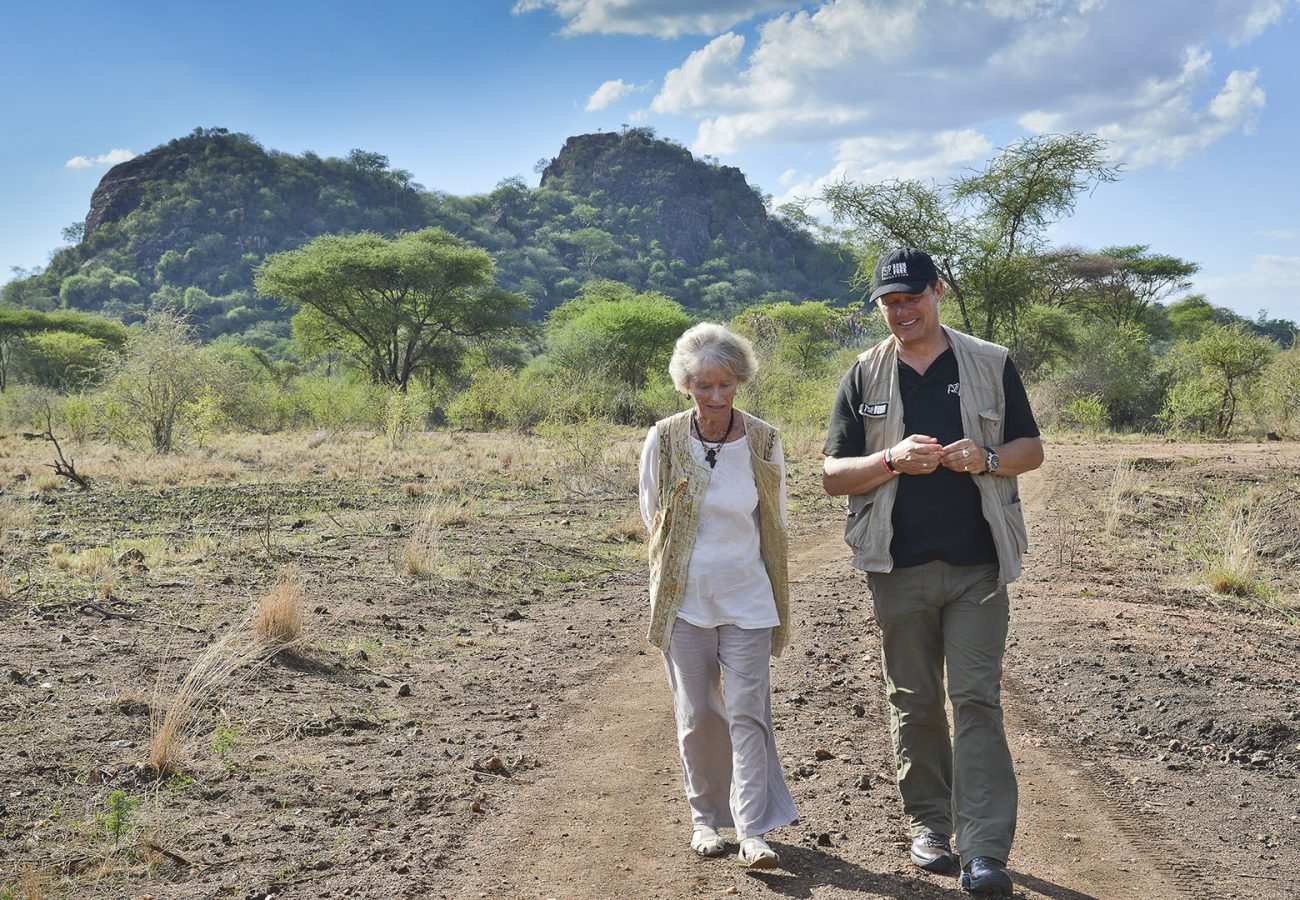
point(278, 622)
point(1125, 485)
point(172, 722)
point(1232, 560)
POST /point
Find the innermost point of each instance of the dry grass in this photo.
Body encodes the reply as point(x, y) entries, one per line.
point(29, 885)
point(1126, 484)
point(244, 458)
point(278, 621)
point(96, 565)
point(628, 529)
point(424, 553)
point(1232, 559)
point(225, 663)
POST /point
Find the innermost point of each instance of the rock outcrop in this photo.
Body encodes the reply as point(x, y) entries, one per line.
point(690, 203)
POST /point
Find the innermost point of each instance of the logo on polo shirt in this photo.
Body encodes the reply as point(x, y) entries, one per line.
point(955, 388)
point(875, 410)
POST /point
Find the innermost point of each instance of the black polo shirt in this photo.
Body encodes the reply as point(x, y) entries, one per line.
point(936, 516)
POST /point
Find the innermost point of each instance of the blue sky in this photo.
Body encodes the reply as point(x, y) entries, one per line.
point(1200, 98)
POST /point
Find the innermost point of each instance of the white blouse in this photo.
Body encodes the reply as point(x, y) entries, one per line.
point(726, 582)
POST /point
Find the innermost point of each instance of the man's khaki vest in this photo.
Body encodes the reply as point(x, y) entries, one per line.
point(870, 528)
point(682, 482)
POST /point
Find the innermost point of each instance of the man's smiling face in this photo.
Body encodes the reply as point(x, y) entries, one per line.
point(913, 318)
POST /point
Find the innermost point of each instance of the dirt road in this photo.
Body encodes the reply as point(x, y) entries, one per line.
point(1101, 815)
point(496, 727)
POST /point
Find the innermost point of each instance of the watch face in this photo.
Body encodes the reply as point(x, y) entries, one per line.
point(992, 461)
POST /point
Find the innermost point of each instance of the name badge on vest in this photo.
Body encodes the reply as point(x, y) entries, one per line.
point(875, 410)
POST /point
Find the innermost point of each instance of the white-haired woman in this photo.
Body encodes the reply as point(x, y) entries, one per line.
point(713, 496)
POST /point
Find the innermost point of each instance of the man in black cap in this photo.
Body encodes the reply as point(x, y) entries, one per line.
point(929, 430)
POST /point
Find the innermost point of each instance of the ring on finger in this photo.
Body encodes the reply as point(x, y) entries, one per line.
point(965, 452)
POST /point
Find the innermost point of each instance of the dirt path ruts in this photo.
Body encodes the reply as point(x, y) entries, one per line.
point(605, 816)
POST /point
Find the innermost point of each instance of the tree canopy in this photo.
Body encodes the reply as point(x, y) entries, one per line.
point(399, 307)
point(984, 229)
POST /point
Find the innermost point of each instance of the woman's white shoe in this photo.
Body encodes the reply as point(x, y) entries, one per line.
point(707, 842)
point(756, 854)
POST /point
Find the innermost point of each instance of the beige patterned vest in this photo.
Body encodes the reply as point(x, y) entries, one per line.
point(682, 482)
point(870, 529)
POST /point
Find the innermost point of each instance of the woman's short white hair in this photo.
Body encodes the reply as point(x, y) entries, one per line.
point(707, 345)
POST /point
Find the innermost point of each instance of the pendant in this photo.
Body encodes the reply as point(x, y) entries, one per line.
point(711, 457)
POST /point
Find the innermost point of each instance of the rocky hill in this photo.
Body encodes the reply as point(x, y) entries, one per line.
point(187, 223)
point(694, 203)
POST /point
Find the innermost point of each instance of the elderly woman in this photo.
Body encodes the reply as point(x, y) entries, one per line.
point(713, 496)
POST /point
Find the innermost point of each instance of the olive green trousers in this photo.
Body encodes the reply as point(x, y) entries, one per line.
point(931, 615)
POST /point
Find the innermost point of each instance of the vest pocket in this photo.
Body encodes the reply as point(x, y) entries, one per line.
point(858, 522)
point(1016, 524)
point(991, 426)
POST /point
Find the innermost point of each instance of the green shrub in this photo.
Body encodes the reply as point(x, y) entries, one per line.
point(1088, 414)
point(77, 413)
point(485, 402)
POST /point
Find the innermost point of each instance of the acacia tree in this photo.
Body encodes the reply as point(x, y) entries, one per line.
point(805, 333)
point(1212, 376)
point(1121, 284)
point(983, 230)
point(21, 331)
point(398, 307)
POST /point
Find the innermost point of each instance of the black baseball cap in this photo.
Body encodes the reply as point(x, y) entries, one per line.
point(906, 270)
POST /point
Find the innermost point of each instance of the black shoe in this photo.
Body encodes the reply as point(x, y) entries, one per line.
point(933, 853)
point(988, 876)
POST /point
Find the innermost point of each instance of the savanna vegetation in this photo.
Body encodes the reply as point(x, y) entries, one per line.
point(359, 301)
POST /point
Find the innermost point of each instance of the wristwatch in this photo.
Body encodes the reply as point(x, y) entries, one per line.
point(990, 461)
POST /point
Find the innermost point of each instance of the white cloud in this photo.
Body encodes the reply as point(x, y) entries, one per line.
point(111, 158)
point(659, 18)
point(609, 93)
point(1265, 284)
point(1282, 234)
point(870, 74)
point(700, 82)
point(924, 157)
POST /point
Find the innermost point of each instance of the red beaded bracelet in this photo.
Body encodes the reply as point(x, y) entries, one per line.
point(888, 463)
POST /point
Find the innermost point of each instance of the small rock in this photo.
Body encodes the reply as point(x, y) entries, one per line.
point(393, 526)
point(823, 754)
point(1260, 758)
point(475, 806)
point(863, 783)
point(134, 556)
point(404, 691)
point(1072, 838)
point(1176, 745)
point(493, 764)
point(823, 840)
point(64, 639)
point(858, 710)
